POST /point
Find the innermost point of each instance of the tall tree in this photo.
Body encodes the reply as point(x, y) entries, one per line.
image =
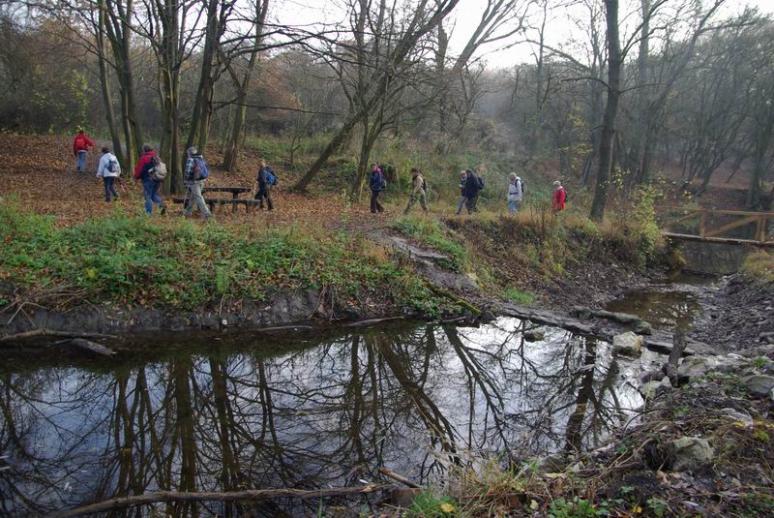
point(611, 110)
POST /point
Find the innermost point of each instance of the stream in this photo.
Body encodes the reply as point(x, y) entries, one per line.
point(232, 412)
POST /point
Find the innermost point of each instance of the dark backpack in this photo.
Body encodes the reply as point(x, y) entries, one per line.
point(480, 182)
point(200, 169)
point(112, 165)
point(424, 185)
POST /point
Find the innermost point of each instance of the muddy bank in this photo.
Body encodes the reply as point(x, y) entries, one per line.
point(737, 314)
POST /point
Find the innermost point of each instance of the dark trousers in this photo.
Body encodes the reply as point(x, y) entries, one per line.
point(110, 187)
point(470, 204)
point(264, 194)
point(375, 205)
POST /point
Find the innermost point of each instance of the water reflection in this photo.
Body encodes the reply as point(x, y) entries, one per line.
point(414, 399)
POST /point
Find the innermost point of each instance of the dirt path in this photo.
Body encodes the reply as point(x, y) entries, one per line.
point(39, 173)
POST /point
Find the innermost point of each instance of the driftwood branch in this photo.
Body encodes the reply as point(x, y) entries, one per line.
point(52, 333)
point(208, 496)
point(400, 478)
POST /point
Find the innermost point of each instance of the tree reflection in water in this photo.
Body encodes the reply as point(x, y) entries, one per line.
point(415, 399)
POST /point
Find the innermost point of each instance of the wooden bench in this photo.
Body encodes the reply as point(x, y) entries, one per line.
point(212, 202)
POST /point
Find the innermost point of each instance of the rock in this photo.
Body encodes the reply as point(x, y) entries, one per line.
point(759, 385)
point(696, 366)
point(534, 335)
point(628, 343)
point(652, 389)
point(736, 415)
point(643, 328)
point(691, 453)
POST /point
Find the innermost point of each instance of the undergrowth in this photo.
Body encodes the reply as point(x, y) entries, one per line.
point(433, 233)
point(759, 265)
point(178, 264)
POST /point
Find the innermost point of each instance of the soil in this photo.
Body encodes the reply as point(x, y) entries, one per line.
point(738, 314)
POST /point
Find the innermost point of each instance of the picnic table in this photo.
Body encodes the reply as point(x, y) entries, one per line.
point(234, 201)
point(235, 191)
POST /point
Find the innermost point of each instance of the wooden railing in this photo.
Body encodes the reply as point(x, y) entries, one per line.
point(711, 232)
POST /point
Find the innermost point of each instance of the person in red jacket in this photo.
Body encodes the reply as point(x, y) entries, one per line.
point(81, 145)
point(150, 187)
point(560, 197)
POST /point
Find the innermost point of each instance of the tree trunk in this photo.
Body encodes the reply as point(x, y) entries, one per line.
point(611, 110)
point(642, 124)
point(104, 81)
point(231, 154)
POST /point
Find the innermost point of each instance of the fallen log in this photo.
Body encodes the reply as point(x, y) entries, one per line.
point(52, 333)
point(224, 496)
point(88, 346)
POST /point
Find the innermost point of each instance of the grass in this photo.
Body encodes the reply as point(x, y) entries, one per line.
point(177, 264)
point(759, 265)
point(518, 296)
point(431, 232)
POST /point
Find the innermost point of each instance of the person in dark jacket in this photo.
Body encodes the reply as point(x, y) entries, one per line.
point(150, 186)
point(377, 183)
point(265, 174)
point(471, 190)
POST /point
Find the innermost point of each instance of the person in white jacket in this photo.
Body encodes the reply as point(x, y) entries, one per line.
point(109, 169)
point(515, 193)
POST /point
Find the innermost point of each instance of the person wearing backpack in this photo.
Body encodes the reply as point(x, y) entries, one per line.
point(150, 170)
point(266, 180)
point(377, 184)
point(81, 145)
point(559, 199)
point(418, 190)
point(109, 170)
point(195, 174)
point(473, 185)
point(515, 193)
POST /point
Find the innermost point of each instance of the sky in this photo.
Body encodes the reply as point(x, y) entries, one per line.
point(561, 27)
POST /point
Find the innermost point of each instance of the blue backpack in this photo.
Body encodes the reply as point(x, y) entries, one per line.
point(200, 170)
point(271, 178)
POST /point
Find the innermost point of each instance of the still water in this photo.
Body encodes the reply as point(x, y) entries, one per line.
point(315, 412)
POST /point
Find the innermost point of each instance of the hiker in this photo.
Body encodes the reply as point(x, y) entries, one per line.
point(473, 185)
point(559, 198)
point(109, 170)
point(81, 145)
point(151, 171)
point(418, 190)
point(515, 193)
point(266, 180)
point(194, 176)
point(461, 203)
point(377, 184)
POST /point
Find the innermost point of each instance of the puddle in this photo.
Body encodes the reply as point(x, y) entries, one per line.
point(665, 305)
point(415, 399)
